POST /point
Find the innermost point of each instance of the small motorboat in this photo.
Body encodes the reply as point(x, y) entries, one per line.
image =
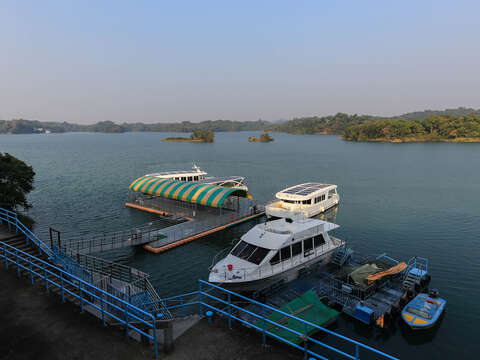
point(424, 310)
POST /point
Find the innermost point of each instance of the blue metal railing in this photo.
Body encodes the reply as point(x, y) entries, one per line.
point(233, 312)
point(70, 265)
point(416, 262)
point(88, 294)
point(11, 219)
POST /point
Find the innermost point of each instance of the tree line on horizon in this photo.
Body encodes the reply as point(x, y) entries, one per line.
point(333, 124)
point(432, 128)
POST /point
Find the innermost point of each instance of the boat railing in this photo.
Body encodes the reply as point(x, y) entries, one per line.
point(259, 272)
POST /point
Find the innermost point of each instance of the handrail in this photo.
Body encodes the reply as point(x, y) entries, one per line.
point(9, 216)
point(48, 272)
point(297, 319)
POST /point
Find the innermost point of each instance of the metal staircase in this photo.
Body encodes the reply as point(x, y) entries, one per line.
point(417, 269)
point(341, 256)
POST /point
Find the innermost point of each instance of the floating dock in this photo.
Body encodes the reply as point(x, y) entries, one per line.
point(205, 208)
point(373, 304)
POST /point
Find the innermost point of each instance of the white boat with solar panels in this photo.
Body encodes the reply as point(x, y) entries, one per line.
point(201, 177)
point(274, 251)
point(303, 201)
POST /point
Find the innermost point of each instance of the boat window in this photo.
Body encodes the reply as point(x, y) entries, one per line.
point(189, 178)
point(307, 202)
point(296, 248)
point(331, 193)
point(184, 178)
point(307, 246)
point(275, 259)
point(289, 201)
point(418, 312)
point(238, 249)
point(285, 253)
point(195, 178)
point(247, 251)
point(258, 255)
point(319, 240)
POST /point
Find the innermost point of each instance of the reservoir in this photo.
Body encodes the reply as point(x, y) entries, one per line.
point(406, 199)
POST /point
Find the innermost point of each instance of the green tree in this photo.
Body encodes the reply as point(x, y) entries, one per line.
point(16, 181)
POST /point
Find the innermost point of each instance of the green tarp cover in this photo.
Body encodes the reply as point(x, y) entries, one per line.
point(307, 307)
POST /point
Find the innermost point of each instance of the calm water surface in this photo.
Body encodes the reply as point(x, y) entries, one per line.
point(404, 199)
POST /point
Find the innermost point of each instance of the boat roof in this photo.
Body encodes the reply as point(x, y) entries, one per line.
point(187, 191)
point(214, 180)
point(179, 172)
point(274, 234)
point(304, 191)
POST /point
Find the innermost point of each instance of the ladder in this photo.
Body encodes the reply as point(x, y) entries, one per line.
point(341, 256)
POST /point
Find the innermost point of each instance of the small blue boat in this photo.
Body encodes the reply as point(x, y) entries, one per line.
point(424, 310)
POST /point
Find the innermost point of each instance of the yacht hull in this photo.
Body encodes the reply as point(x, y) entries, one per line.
point(287, 275)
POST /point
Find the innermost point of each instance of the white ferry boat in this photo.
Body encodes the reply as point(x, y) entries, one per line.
point(201, 177)
point(273, 251)
point(303, 201)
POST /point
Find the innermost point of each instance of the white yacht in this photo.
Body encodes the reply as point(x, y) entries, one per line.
point(201, 177)
point(273, 251)
point(303, 201)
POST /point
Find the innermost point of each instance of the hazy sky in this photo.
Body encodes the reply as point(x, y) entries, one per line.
point(153, 61)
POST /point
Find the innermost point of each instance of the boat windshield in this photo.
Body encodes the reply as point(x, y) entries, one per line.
point(418, 312)
point(249, 252)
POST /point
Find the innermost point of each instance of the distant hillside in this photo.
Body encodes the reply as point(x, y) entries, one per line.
point(333, 124)
point(464, 128)
point(337, 124)
point(21, 126)
point(419, 115)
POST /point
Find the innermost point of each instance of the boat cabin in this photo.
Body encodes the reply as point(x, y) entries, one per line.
point(303, 201)
point(275, 250)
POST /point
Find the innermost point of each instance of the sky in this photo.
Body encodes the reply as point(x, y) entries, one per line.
point(170, 61)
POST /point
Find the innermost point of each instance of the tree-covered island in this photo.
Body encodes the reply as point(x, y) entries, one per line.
point(198, 136)
point(265, 137)
point(446, 128)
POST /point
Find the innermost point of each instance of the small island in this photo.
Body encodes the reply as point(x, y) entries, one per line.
point(198, 136)
point(433, 128)
point(265, 137)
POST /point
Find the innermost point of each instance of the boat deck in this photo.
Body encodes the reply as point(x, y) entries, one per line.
point(386, 297)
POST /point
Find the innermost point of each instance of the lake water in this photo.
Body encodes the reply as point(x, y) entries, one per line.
point(404, 199)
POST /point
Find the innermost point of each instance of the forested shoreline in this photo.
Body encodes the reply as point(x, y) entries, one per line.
point(458, 124)
point(433, 128)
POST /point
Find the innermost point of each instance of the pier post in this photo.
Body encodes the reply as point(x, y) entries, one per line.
point(18, 265)
point(264, 335)
point(168, 337)
point(6, 256)
point(200, 297)
point(46, 277)
point(229, 312)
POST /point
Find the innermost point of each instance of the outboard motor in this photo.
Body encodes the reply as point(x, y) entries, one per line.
point(434, 293)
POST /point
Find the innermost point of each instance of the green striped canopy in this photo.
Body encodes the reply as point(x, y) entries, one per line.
point(203, 194)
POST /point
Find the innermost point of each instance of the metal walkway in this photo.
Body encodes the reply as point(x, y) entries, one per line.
point(97, 287)
point(157, 235)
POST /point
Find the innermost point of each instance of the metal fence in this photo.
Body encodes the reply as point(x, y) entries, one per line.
point(90, 269)
point(131, 316)
point(233, 306)
point(11, 220)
